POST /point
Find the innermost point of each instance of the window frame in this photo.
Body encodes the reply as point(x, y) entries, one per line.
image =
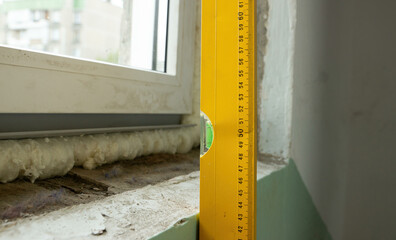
point(35, 82)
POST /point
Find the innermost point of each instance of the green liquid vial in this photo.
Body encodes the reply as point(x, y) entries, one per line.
point(207, 134)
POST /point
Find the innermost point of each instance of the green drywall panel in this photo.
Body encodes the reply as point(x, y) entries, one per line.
point(29, 4)
point(184, 229)
point(285, 211)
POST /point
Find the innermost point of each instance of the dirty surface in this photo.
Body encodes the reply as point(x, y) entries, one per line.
point(134, 214)
point(22, 199)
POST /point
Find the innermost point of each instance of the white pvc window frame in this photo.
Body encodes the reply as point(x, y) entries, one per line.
point(34, 82)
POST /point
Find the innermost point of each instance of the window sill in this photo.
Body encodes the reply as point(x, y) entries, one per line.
point(135, 214)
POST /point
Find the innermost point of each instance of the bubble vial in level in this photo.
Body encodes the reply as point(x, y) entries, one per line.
point(207, 134)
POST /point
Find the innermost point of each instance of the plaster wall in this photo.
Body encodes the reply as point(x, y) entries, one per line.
point(275, 29)
point(344, 114)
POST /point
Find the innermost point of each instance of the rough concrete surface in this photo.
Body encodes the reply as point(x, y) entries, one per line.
point(135, 214)
point(23, 198)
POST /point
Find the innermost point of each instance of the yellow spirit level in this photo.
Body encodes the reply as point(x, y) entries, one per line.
point(228, 121)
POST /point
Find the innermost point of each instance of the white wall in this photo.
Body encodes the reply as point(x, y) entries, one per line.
point(344, 114)
point(275, 87)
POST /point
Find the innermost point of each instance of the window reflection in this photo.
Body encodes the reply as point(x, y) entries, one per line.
point(129, 32)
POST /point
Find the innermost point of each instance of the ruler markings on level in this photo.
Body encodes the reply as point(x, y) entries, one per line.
point(228, 177)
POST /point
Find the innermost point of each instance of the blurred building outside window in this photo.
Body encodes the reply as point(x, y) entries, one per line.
point(126, 32)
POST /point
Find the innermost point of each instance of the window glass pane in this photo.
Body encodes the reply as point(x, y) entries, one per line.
point(126, 32)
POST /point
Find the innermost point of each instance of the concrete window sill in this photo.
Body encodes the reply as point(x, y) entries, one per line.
point(136, 214)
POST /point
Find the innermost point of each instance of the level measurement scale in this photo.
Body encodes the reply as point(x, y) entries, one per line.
point(228, 120)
